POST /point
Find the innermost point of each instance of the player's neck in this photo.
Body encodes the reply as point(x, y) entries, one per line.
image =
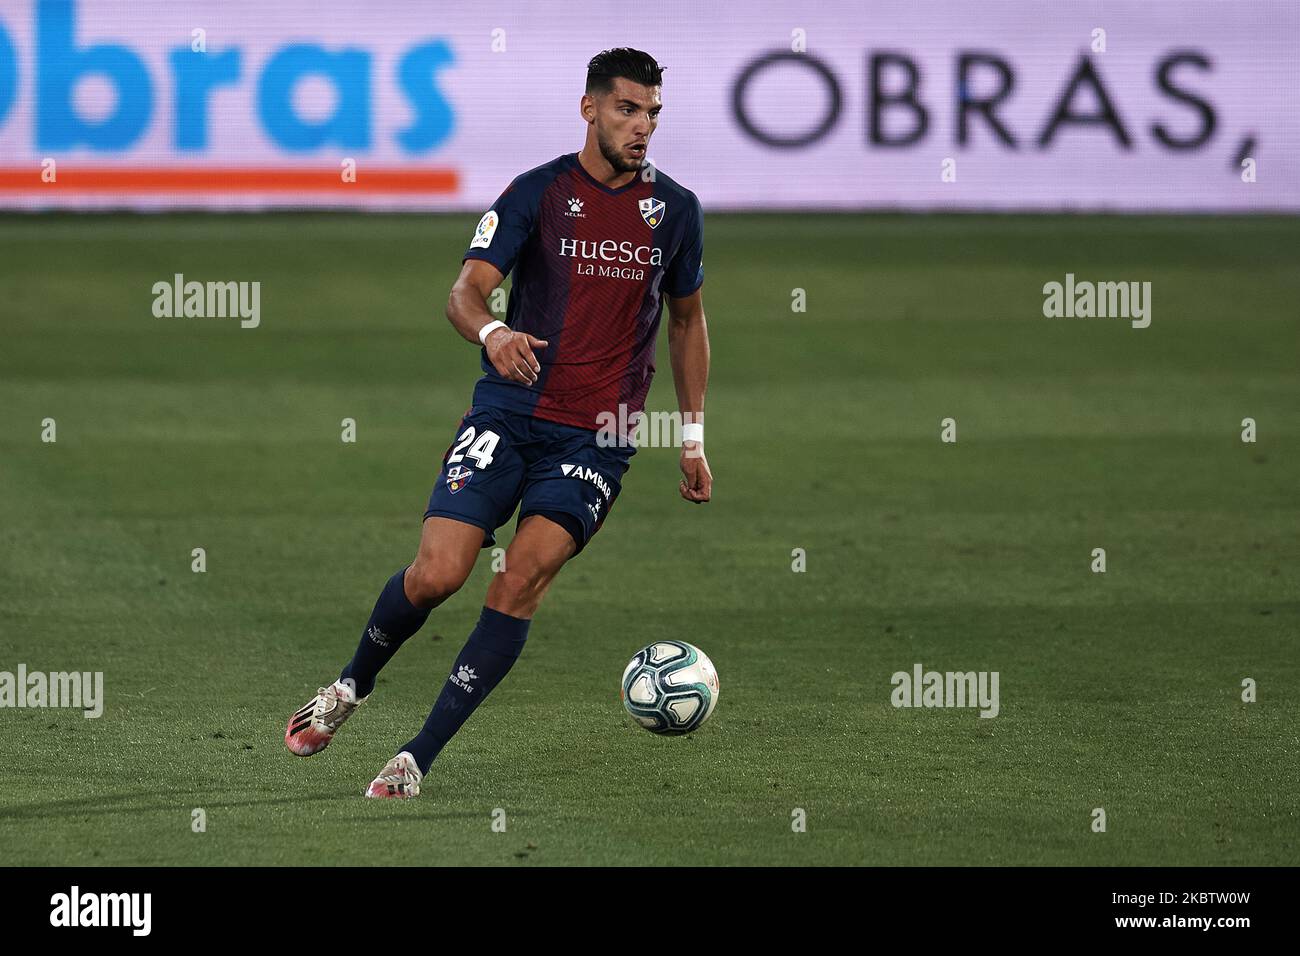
point(599, 169)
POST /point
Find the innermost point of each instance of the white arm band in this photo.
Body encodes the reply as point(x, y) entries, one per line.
point(488, 329)
point(693, 431)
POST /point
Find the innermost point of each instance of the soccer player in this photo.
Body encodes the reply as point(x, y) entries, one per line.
point(596, 240)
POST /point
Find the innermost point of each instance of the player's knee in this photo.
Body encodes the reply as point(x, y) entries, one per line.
point(428, 584)
point(522, 584)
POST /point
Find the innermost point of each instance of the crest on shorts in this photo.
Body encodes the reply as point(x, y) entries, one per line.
point(652, 211)
point(458, 477)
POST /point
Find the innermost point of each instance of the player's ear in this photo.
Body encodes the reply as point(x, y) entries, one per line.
point(587, 107)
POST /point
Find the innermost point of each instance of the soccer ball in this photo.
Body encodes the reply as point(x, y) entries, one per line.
point(670, 687)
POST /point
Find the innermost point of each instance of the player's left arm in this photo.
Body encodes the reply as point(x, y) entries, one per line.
point(688, 347)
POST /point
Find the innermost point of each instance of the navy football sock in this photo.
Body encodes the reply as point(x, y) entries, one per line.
point(393, 620)
point(486, 657)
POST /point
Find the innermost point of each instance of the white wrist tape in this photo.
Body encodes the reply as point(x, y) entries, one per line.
point(488, 329)
point(693, 431)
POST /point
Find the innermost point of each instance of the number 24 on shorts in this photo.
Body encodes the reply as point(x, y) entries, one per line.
point(479, 451)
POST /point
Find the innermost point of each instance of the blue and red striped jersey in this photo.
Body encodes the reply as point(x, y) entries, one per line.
point(591, 266)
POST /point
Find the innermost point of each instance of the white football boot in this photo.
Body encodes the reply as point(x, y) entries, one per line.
point(400, 779)
point(313, 725)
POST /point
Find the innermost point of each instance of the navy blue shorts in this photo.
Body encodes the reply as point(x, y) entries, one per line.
point(501, 460)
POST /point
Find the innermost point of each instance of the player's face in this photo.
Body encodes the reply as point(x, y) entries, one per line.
point(625, 119)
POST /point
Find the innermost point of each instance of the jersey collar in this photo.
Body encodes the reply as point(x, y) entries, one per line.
point(573, 159)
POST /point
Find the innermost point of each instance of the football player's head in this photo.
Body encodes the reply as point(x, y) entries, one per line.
point(621, 105)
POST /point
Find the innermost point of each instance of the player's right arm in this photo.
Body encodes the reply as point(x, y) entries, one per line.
point(511, 353)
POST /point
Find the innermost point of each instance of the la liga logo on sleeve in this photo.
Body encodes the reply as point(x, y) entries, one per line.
point(487, 227)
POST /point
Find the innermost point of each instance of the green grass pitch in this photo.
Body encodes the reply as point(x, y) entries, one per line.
point(1120, 690)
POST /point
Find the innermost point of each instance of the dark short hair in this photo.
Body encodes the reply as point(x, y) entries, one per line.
point(634, 65)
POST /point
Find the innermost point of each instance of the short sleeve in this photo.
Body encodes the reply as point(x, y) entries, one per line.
point(685, 272)
point(503, 230)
